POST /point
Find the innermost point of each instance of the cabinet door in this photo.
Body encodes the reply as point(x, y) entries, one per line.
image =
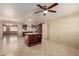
point(31, 39)
point(37, 37)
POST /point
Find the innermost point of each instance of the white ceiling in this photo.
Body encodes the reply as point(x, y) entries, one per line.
point(21, 12)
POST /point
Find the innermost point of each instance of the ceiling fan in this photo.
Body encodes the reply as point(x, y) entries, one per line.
point(46, 9)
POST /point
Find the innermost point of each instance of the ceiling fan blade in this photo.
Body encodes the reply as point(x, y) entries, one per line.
point(52, 5)
point(40, 6)
point(51, 11)
point(38, 11)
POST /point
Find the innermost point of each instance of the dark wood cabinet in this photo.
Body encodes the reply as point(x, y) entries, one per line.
point(33, 39)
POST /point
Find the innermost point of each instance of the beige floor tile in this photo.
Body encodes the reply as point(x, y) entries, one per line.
point(15, 46)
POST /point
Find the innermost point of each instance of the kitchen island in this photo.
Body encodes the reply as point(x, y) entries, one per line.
point(32, 39)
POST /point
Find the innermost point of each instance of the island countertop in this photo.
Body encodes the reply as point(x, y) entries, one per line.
point(32, 33)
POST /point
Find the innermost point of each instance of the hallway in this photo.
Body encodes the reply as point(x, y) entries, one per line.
point(14, 46)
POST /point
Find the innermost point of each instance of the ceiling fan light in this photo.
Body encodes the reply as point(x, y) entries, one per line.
point(46, 11)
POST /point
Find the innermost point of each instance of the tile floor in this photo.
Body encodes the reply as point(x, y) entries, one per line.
point(15, 46)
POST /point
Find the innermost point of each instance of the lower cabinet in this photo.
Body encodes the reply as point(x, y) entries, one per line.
point(33, 39)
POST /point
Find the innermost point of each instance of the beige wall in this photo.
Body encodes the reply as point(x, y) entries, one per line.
point(1, 32)
point(44, 31)
point(19, 29)
point(65, 30)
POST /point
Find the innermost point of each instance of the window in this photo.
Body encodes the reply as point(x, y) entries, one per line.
point(13, 28)
point(4, 28)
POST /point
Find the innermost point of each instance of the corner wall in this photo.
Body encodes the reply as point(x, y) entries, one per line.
point(44, 31)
